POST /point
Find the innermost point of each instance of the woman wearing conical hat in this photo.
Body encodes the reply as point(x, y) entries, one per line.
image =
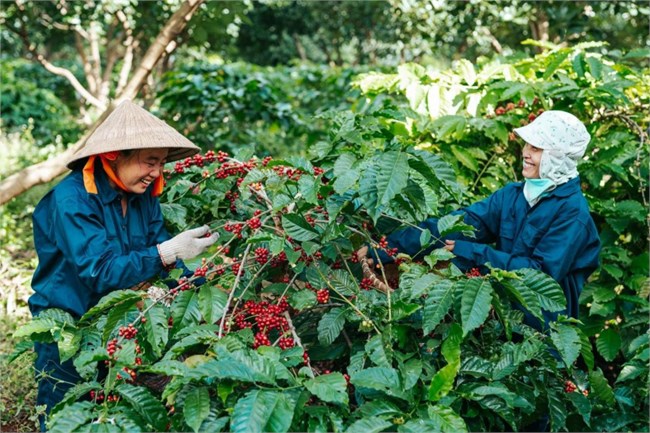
point(101, 228)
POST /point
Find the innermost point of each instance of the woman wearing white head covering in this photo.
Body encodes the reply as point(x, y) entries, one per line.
point(542, 223)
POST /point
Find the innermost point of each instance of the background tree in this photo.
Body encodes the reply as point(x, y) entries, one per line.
point(98, 90)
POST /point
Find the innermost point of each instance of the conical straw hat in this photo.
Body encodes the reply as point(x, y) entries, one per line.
point(131, 127)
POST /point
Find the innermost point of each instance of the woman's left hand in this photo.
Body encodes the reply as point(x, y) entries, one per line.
point(450, 245)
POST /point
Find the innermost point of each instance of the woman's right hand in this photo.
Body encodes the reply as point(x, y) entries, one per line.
point(186, 245)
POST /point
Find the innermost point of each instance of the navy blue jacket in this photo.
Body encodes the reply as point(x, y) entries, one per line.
point(557, 236)
point(86, 248)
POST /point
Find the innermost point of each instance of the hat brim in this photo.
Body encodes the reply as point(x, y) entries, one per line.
point(530, 135)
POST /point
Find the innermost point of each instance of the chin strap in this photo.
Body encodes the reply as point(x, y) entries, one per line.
point(89, 175)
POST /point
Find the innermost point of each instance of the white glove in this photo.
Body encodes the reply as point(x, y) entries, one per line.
point(186, 245)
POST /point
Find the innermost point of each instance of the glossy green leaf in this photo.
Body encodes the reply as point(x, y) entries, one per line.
point(156, 327)
point(212, 302)
point(608, 344)
point(600, 388)
point(298, 228)
point(196, 407)
point(145, 404)
point(346, 176)
point(567, 341)
point(331, 388)
point(437, 305)
point(331, 325)
point(475, 302)
point(369, 425)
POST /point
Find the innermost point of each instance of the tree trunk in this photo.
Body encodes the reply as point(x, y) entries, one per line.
point(539, 27)
point(45, 171)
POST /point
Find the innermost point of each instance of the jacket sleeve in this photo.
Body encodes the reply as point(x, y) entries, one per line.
point(484, 216)
point(82, 238)
point(553, 254)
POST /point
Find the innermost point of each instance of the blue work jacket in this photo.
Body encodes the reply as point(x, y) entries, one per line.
point(557, 236)
point(87, 248)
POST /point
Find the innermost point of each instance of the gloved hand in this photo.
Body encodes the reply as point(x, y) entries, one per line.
point(186, 245)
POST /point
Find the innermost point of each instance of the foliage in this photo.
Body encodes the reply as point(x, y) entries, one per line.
point(269, 111)
point(445, 351)
point(242, 352)
point(395, 31)
point(17, 389)
point(24, 102)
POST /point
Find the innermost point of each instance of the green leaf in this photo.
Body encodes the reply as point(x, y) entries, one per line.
point(443, 381)
point(342, 282)
point(212, 301)
point(438, 255)
point(391, 176)
point(73, 418)
point(369, 425)
point(411, 371)
point(175, 213)
point(381, 379)
point(308, 188)
point(608, 344)
point(402, 310)
point(585, 351)
point(377, 352)
point(566, 341)
point(465, 158)
point(447, 419)
point(437, 172)
point(454, 223)
point(600, 388)
point(156, 327)
point(196, 407)
point(302, 299)
point(35, 326)
point(263, 411)
point(75, 393)
point(331, 325)
point(556, 410)
point(549, 292)
point(595, 67)
point(109, 301)
point(145, 404)
point(449, 127)
point(346, 176)
point(375, 82)
point(68, 343)
point(437, 305)
point(475, 302)
point(556, 60)
point(185, 310)
point(330, 388)
point(298, 228)
point(238, 366)
point(379, 408)
point(579, 65)
point(582, 405)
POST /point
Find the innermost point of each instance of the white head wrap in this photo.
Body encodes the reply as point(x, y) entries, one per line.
point(564, 139)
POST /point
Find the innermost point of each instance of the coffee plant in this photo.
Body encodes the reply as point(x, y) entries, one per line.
point(283, 328)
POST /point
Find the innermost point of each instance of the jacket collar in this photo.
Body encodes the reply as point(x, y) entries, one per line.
point(565, 190)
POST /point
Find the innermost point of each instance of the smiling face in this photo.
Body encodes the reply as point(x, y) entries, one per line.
point(138, 169)
point(532, 156)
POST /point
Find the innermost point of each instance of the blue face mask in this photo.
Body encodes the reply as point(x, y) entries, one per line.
point(535, 189)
